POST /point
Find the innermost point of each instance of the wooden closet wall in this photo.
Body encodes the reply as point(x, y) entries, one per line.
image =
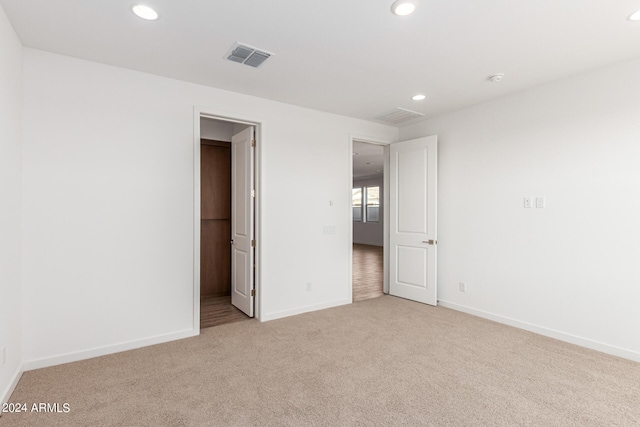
point(215, 215)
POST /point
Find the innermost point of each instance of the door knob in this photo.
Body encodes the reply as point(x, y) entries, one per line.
point(430, 242)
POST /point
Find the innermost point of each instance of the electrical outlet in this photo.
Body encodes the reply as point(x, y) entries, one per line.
point(462, 287)
point(308, 286)
point(528, 202)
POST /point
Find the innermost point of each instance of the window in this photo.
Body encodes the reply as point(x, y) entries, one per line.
point(369, 199)
point(372, 196)
point(356, 204)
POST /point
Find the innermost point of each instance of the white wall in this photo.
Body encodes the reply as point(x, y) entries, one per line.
point(10, 206)
point(108, 205)
point(370, 233)
point(569, 270)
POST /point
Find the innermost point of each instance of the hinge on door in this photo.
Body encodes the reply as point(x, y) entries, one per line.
point(253, 243)
point(253, 193)
point(253, 292)
point(253, 142)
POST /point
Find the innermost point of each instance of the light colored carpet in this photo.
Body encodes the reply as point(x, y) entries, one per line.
point(384, 361)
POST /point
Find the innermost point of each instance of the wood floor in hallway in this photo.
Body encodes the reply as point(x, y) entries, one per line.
point(367, 272)
point(219, 311)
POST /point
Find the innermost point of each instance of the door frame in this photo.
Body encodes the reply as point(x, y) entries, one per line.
point(385, 209)
point(258, 125)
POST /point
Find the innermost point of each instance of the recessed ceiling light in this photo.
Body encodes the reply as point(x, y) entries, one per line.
point(144, 12)
point(635, 16)
point(404, 7)
point(418, 97)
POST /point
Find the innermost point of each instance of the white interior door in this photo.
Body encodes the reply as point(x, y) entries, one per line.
point(242, 243)
point(412, 219)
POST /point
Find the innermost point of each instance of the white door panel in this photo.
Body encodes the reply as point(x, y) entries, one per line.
point(412, 265)
point(242, 252)
point(412, 222)
point(412, 202)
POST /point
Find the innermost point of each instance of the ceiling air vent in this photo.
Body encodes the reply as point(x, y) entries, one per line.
point(399, 116)
point(248, 55)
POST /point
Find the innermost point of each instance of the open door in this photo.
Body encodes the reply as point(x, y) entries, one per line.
point(242, 209)
point(412, 219)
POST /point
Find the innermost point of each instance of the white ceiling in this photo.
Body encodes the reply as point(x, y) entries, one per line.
point(350, 57)
point(368, 160)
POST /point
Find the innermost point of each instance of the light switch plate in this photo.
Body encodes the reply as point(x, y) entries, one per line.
point(329, 229)
point(540, 203)
point(528, 202)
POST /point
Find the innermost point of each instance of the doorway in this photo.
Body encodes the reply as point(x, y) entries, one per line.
point(368, 206)
point(225, 242)
point(409, 209)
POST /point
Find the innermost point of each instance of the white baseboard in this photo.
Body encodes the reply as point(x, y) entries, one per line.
point(551, 333)
point(6, 393)
point(378, 244)
point(103, 351)
point(306, 309)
